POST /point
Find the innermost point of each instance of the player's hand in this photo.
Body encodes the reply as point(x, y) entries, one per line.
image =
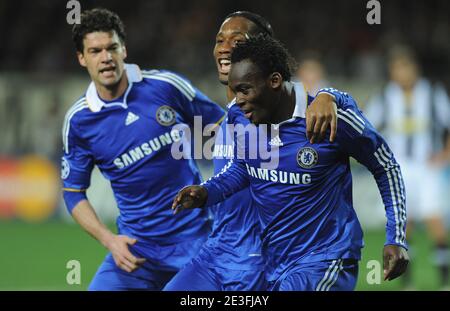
point(321, 114)
point(124, 259)
point(395, 261)
point(189, 197)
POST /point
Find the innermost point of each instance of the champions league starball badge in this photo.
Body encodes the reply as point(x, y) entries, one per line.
point(165, 115)
point(65, 168)
point(307, 157)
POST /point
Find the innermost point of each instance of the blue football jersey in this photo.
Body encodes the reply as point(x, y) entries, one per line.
point(305, 202)
point(130, 141)
point(235, 241)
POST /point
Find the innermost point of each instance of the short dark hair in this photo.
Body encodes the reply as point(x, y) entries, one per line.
point(98, 19)
point(262, 25)
point(267, 53)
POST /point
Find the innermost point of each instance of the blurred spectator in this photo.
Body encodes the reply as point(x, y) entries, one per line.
point(311, 73)
point(413, 114)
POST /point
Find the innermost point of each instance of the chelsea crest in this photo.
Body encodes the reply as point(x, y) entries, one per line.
point(307, 157)
point(166, 115)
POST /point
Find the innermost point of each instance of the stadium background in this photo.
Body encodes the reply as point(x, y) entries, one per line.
point(40, 78)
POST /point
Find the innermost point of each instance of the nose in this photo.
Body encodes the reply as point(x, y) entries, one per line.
point(106, 56)
point(225, 47)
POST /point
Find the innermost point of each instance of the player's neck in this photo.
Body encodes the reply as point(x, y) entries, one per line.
point(286, 104)
point(113, 92)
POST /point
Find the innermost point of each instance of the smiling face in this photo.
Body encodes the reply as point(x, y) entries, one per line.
point(103, 56)
point(256, 95)
point(232, 31)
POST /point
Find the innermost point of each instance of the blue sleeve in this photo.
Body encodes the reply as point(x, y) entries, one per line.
point(76, 167)
point(230, 180)
point(358, 138)
point(340, 98)
point(233, 176)
point(191, 102)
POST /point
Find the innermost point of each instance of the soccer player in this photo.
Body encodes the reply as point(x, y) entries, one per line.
point(231, 257)
point(312, 238)
point(124, 124)
point(413, 114)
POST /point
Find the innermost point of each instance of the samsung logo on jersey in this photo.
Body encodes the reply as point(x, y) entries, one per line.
point(147, 148)
point(279, 176)
point(223, 151)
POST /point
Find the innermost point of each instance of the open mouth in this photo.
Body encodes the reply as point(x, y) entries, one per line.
point(108, 71)
point(224, 65)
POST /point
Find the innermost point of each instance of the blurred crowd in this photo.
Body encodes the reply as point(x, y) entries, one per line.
point(179, 34)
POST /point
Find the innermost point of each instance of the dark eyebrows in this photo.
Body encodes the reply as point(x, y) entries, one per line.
point(234, 33)
point(113, 45)
point(94, 49)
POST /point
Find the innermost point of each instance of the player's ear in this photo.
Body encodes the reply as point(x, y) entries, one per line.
point(81, 59)
point(276, 80)
point(124, 52)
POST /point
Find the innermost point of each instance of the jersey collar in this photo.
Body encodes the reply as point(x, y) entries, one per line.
point(301, 102)
point(134, 75)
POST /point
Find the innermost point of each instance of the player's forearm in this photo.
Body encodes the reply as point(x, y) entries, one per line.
point(230, 180)
point(391, 187)
point(85, 216)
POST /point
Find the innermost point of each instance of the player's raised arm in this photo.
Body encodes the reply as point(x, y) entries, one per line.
point(360, 140)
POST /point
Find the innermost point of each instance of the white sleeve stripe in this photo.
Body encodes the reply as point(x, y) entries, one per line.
point(67, 129)
point(344, 118)
point(356, 116)
point(394, 201)
point(387, 153)
point(69, 112)
point(403, 210)
point(149, 72)
point(401, 200)
point(79, 101)
point(326, 276)
point(336, 276)
point(182, 82)
point(384, 157)
point(331, 278)
point(397, 196)
point(170, 81)
point(350, 116)
point(222, 171)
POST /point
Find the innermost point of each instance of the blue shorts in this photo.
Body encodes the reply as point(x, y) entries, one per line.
point(162, 263)
point(198, 276)
point(329, 275)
